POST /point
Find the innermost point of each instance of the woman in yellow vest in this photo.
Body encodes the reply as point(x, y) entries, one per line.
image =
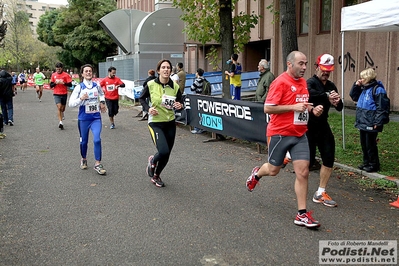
point(164, 96)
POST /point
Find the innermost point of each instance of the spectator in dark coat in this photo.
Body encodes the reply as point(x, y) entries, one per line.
point(6, 95)
point(265, 79)
point(151, 76)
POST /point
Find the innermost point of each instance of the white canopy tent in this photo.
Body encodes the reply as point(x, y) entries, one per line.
point(372, 16)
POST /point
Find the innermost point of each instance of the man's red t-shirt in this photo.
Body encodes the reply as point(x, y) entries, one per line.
point(109, 86)
point(285, 90)
point(61, 89)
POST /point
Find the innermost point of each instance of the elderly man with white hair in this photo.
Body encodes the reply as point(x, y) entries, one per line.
point(265, 78)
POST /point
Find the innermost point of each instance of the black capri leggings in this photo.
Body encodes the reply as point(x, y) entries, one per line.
point(320, 136)
point(163, 135)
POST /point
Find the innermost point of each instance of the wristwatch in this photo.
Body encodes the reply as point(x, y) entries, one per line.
point(328, 94)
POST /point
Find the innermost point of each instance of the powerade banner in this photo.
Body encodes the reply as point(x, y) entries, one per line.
point(240, 119)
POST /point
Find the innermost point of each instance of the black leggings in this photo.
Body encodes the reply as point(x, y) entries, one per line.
point(320, 136)
point(163, 135)
point(368, 140)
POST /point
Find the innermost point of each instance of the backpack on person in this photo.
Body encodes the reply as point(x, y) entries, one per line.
point(206, 87)
point(386, 104)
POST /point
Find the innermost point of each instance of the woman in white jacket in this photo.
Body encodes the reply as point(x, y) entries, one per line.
point(89, 96)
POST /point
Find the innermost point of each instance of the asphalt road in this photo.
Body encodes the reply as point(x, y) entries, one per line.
point(53, 213)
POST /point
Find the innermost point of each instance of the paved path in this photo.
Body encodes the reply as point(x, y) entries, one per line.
point(53, 213)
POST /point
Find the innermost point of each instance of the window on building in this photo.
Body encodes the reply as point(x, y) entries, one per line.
point(304, 18)
point(325, 19)
point(350, 2)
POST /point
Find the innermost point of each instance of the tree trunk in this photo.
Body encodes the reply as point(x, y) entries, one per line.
point(289, 38)
point(226, 40)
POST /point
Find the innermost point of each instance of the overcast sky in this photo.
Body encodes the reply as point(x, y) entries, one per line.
point(56, 2)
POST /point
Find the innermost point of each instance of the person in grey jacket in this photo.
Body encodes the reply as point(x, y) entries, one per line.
point(265, 78)
point(372, 111)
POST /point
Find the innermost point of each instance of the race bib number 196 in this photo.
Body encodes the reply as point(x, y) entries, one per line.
point(91, 108)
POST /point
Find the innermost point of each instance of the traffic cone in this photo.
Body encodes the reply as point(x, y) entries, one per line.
point(395, 203)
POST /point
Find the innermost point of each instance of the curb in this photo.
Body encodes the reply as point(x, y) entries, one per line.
point(364, 173)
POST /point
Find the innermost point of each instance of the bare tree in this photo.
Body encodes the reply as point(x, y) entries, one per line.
point(21, 49)
point(17, 26)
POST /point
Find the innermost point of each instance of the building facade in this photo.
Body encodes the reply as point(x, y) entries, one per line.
point(318, 32)
point(35, 9)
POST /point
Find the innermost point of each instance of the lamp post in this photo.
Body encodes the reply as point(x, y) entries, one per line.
point(30, 70)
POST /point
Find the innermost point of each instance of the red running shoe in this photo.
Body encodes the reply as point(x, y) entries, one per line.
point(306, 219)
point(251, 180)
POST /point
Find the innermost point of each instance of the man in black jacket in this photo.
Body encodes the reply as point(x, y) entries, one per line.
point(324, 92)
point(6, 94)
point(151, 76)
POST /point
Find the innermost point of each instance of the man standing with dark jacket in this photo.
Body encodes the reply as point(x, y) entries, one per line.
point(6, 94)
point(265, 78)
point(182, 76)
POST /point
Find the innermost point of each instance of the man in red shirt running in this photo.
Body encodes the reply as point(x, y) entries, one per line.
point(60, 81)
point(110, 85)
point(288, 106)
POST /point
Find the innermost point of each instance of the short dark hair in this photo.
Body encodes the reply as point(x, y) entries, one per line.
point(234, 57)
point(200, 72)
point(85, 65)
point(160, 63)
point(111, 68)
point(59, 65)
point(81, 70)
point(180, 65)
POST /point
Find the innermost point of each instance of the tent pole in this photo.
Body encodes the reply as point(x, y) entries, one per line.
point(342, 88)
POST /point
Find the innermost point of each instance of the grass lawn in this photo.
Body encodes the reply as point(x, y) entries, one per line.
point(352, 154)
